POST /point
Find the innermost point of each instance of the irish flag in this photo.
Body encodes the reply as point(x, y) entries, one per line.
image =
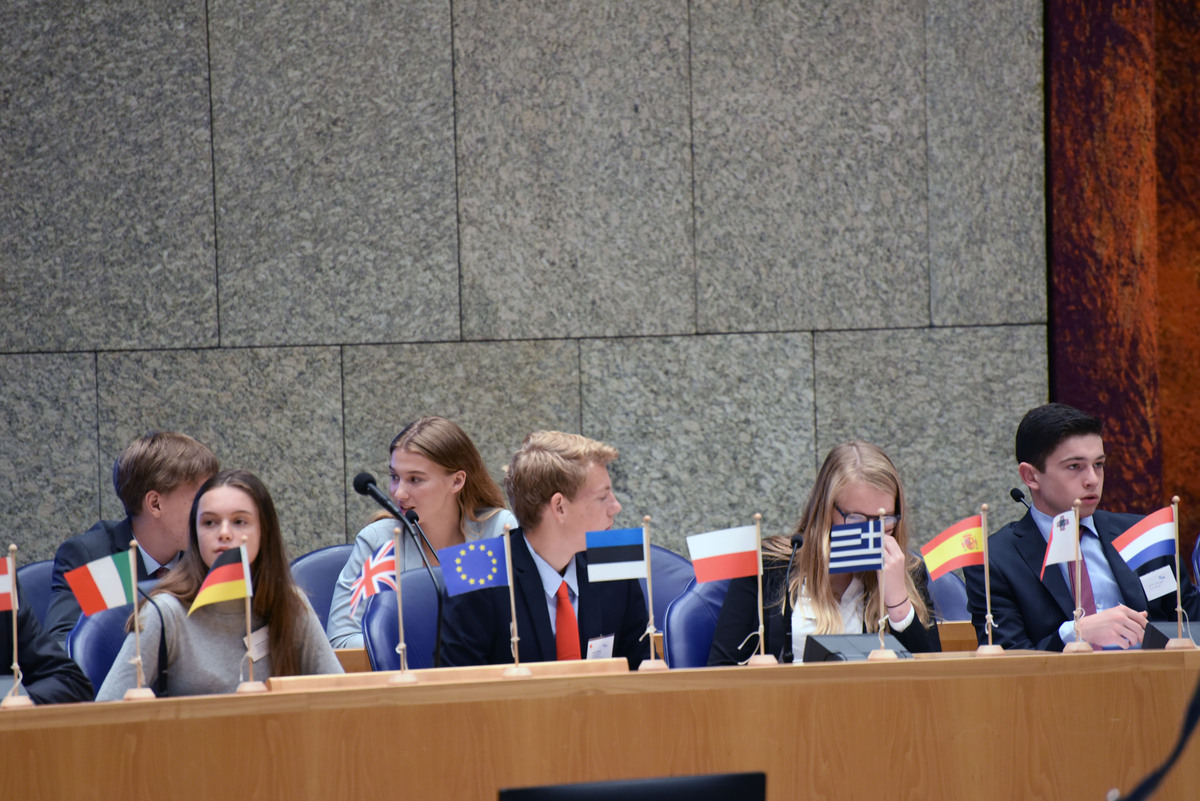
point(8, 598)
point(1149, 538)
point(103, 584)
point(227, 579)
point(958, 546)
point(728, 553)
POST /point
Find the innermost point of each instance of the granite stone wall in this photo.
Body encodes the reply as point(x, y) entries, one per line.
point(722, 236)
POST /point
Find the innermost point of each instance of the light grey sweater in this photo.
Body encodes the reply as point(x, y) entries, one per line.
point(205, 652)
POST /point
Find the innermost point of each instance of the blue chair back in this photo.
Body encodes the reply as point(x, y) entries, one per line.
point(949, 595)
point(1196, 562)
point(690, 622)
point(96, 640)
point(671, 573)
point(34, 579)
point(316, 572)
point(380, 632)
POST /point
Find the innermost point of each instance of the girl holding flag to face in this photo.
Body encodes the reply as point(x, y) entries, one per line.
point(200, 615)
point(856, 481)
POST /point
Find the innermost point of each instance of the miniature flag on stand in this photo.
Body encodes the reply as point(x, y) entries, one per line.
point(378, 572)
point(102, 584)
point(727, 553)
point(856, 547)
point(958, 546)
point(1064, 541)
point(474, 565)
point(227, 580)
point(8, 593)
point(616, 554)
point(1149, 538)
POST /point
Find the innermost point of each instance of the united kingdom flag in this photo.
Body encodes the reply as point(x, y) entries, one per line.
point(378, 571)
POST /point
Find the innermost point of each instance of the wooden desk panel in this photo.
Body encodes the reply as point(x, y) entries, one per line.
point(1025, 726)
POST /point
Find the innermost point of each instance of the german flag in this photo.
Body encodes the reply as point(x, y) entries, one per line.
point(228, 579)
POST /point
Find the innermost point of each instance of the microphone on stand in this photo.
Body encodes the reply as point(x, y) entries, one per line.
point(364, 484)
point(439, 585)
point(788, 654)
point(1019, 497)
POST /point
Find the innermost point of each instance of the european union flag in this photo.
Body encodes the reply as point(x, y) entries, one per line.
point(473, 566)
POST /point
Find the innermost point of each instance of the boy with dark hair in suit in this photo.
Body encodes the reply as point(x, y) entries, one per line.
point(1060, 456)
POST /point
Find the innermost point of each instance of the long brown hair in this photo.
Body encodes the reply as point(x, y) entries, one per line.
point(445, 444)
point(277, 600)
point(848, 463)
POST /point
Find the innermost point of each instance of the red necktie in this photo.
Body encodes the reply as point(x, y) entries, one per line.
point(566, 628)
point(1086, 599)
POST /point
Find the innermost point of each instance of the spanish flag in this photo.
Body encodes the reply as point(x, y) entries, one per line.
point(958, 546)
point(228, 579)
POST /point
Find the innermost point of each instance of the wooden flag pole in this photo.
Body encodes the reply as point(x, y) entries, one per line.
point(1178, 642)
point(404, 675)
point(882, 653)
point(515, 670)
point(990, 649)
point(140, 692)
point(1080, 646)
point(14, 699)
point(762, 657)
point(250, 686)
point(653, 663)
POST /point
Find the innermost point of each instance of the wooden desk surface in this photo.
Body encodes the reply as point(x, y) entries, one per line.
point(1016, 726)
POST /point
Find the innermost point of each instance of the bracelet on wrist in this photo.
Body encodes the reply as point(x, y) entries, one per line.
point(893, 606)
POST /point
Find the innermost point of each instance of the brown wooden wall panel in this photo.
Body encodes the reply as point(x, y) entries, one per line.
point(1124, 176)
point(1177, 108)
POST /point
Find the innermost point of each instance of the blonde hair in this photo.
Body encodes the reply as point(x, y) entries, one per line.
point(548, 462)
point(849, 463)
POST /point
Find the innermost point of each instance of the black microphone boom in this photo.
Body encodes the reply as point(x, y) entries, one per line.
point(364, 484)
point(1019, 497)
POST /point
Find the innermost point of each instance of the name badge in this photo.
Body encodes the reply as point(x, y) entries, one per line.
point(601, 647)
point(1159, 583)
point(258, 644)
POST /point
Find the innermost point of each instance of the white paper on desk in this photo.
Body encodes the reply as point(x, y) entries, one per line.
point(601, 647)
point(1158, 583)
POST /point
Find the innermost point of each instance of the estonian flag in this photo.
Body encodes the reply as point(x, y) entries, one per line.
point(228, 579)
point(616, 554)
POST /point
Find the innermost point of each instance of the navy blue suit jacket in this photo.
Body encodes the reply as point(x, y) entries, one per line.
point(476, 626)
point(106, 538)
point(49, 677)
point(1028, 611)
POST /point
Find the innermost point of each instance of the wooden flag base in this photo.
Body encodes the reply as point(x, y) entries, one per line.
point(1179, 644)
point(400, 677)
point(651, 665)
point(989, 650)
point(16, 702)
point(249, 687)
point(1077, 648)
point(758, 660)
point(882, 655)
point(138, 694)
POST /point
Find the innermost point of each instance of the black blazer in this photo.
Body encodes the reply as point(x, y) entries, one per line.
point(48, 676)
point(739, 617)
point(476, 626)
point(1028, 611)
point(106, 538)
